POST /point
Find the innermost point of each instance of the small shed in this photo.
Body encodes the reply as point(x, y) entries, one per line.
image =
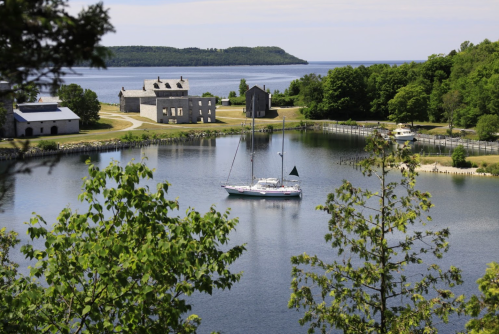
point(225, 102)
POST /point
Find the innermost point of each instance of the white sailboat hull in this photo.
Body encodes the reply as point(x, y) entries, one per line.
point(285, 191)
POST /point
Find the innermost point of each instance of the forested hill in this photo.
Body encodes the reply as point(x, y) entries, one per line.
point(168, 56)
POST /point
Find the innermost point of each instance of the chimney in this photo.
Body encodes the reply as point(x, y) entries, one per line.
point(143, 87)
point(247, 87)
point(264, 87)
point(181, 78)
point(158, 78)
point(123, 88)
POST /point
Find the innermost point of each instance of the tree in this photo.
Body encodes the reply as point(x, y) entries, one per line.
point(488, 301)
point(83, 103)
point(243, 87)
point(409, 104)
point(459, 157)
point(26, 93)
point(208, 94)
point(345, 92)
point(451, 102)
point(232, 94)
point(40, 41)
point(125, 264)
point(487, 127)
point(365, 289)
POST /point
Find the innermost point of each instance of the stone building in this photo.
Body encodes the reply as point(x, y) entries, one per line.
point(44, 119)
point(262, 101)
point(8, 130)
point(168, 101)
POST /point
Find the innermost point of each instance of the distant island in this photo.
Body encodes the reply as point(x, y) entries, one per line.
point(136, 56)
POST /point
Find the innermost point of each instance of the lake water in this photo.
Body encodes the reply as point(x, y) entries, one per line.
point(219, 80)
point(273, 229)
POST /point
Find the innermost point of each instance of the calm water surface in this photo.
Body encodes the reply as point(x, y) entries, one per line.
point(273, 229)
point(218, 80)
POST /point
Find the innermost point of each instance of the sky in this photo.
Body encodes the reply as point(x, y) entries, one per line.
point(314, 30)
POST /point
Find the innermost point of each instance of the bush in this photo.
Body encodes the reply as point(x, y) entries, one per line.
point(349, 122)
point(492, 169)
point(270, 127)
point(238, 101)
point(47, 145)
point(129, 137)
point(487, 126)
point(459, 157)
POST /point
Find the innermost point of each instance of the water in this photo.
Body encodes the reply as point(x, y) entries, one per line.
point(218, 80)
point(273, 229)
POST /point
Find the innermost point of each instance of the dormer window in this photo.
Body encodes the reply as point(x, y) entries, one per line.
point(167, 85)
point(156, 85)
point(179, 85)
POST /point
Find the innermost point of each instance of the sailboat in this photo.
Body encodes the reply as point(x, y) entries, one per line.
point(266, 187)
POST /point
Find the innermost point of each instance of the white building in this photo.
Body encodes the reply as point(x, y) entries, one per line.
point(45, 119)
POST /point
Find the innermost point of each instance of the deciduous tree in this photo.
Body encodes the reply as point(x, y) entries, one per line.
point(83, 103)
point(409, 105)
point(40, 41)
point(485, 308)
point(365, 288)
point(243, 87)
point(126, 264)
point(487, 127)
point(451, 102)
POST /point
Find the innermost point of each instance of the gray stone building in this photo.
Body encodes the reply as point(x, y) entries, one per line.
point(262, 101)
point(8, 130)
point(168, 101)
point(44, 119)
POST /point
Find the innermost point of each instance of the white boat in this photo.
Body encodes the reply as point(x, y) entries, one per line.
point(266, 187)
point(403, 133)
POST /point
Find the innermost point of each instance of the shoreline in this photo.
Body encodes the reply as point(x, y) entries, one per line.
point(440, 169)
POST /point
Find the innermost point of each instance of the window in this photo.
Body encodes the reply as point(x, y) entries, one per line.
point(200, 103)
point(156, 85)
point(167, 85)
point(209, 102)
point(53, 121)
point(179, 85)
point(180, 112)
point(41, 129)
point(28, 122)
point(165, 111)
point(69, 120)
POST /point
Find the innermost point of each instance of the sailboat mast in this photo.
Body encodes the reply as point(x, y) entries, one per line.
point(282, 155)
point(252, 141)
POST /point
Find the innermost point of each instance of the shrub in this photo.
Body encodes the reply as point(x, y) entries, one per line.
point(144, 136)
point(487, 126)
point(270, 127)
point(459, 157)
point(129, 137)
point(47, 145)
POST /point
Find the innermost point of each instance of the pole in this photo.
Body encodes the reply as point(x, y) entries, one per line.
point(252, 142)
point(282, 155)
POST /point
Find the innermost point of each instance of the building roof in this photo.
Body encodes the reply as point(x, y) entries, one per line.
point(166, 84)
point(137, 93)
point(256, 86)
point(55, 99)
point(57, 114)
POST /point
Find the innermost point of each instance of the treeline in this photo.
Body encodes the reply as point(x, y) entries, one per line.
point(167, 56)
point(457, 88)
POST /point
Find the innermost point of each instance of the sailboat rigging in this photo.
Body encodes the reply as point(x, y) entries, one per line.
point(265, 187)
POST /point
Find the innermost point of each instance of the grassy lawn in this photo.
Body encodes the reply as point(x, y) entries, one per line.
point(105, 124)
